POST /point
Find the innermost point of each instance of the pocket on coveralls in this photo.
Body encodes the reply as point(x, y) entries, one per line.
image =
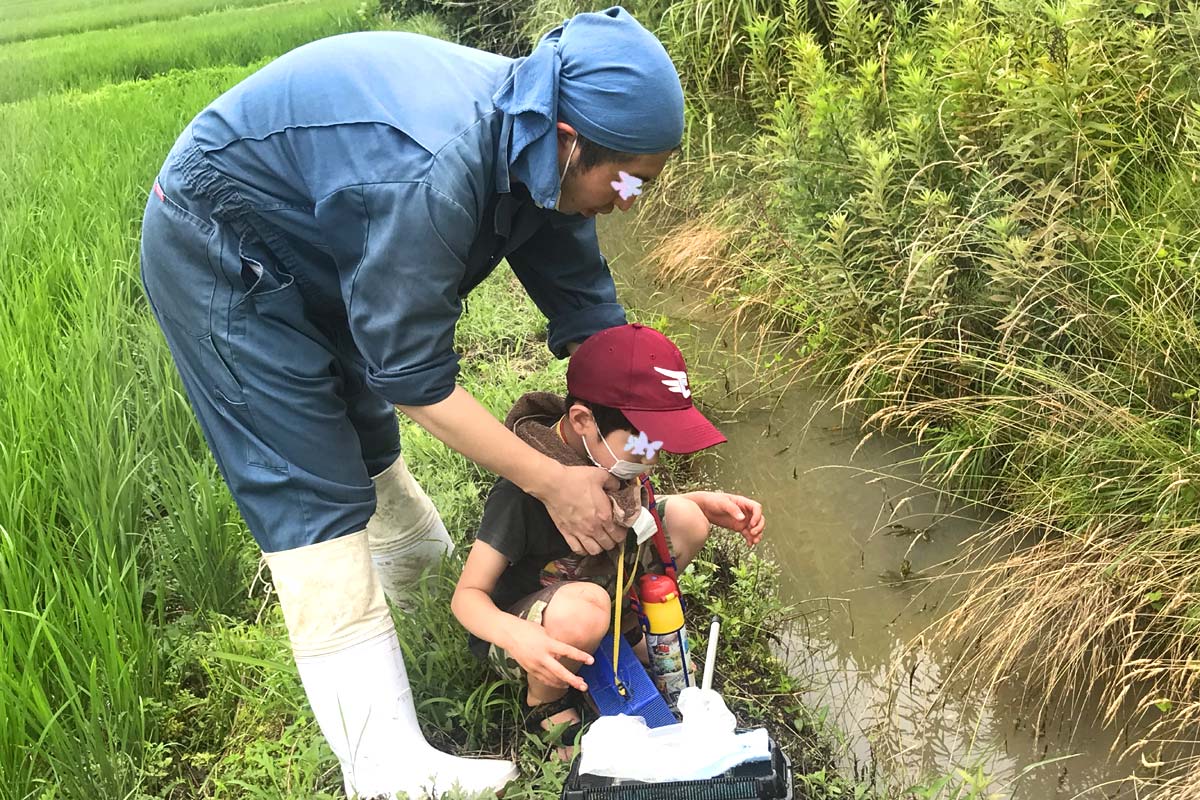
point(229, 392)
point(260, 281)
point(253, 310)
point(176, 271)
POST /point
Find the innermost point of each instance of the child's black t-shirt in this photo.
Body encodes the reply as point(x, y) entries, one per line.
point(520, 528)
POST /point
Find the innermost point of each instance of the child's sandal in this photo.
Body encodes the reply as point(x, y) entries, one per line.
point(568, 732)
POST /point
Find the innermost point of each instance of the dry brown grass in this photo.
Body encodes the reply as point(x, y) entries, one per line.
point(1074, 617)
point(696, 253)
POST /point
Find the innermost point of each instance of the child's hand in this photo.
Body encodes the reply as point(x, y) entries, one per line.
point(732, 511)
point(538, 653)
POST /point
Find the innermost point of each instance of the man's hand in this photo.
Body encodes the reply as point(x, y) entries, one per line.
point(574, 495)
point(538, 654)
point(739, 514)
point(581, 510)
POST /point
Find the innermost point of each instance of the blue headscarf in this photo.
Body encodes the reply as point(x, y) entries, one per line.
point(604, 75)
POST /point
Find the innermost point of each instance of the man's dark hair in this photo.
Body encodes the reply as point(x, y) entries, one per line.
point(607, 419)
point(595, 155)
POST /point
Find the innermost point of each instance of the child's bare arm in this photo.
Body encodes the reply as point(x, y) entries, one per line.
point(525, 641)
point(733, 511)
point(472, 602)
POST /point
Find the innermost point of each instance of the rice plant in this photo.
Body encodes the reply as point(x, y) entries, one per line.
point(95, 439)
point(92, 59)
point(21, 19)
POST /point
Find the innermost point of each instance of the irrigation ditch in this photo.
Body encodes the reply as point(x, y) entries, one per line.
point(870, 556)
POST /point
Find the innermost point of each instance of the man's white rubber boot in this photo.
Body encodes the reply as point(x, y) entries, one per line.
point(353, 672)
point(406, 533)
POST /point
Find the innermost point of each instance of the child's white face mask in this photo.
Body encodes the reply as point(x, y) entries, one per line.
point(621, 469)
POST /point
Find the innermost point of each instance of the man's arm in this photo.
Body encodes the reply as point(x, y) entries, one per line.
point(400, 249)
point(574, 496)
point(566, 276)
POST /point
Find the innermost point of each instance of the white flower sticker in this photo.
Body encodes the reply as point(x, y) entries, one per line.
point(641, 445)
point(629, 185)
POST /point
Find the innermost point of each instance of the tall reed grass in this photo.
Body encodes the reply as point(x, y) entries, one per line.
point(980, 223)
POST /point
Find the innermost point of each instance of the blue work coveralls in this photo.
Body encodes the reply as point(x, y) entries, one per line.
point(307, 247)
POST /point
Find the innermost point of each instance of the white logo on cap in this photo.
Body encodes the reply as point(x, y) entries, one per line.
point(676, 381)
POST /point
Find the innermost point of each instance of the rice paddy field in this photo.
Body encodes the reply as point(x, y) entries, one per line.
point(141, 653)
point(91, 59)
point(138, 656)
point(33, 19)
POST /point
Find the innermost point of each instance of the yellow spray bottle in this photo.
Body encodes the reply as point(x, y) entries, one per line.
point(666, 635)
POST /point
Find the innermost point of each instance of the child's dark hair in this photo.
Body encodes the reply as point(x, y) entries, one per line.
point(608, 419)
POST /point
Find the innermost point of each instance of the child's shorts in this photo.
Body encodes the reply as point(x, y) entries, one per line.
point(533, 607)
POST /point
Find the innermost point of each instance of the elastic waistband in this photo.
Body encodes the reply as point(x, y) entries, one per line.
point(187, 160)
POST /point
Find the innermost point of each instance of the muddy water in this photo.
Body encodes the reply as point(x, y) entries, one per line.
point(856, 537)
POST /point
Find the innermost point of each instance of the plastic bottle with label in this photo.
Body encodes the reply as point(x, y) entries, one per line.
point(666, 636)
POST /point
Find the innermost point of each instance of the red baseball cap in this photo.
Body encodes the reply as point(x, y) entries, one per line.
point(640, 372)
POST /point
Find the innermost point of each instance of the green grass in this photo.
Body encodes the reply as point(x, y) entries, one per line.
point(97, 443)
point(33, 19)
point(235, 36)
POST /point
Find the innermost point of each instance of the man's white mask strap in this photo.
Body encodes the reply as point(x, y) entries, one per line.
point(566, 167)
